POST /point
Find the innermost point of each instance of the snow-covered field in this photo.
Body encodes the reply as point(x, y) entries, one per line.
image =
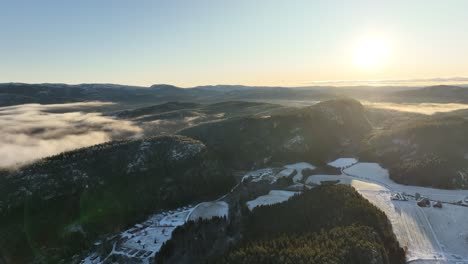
point(209, 210)
point(273, 197)
point(342, 163)
point(430, 235)
point(299, 167)
point(375, 173)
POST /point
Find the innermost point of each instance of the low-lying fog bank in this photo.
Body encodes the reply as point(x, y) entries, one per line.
point(33, 131)
point(420, 108)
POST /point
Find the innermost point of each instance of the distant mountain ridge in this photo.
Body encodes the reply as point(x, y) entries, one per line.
point(21, 93)
point(438, 94)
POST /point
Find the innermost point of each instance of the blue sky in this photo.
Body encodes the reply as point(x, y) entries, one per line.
point(186, 43)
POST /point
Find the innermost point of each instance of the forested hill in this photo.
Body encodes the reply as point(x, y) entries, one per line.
point(430, 151)
point(328, 224)
point(310, 133)
point(58, 206)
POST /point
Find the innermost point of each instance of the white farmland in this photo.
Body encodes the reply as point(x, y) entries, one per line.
point(429, 235)
point(342, 163)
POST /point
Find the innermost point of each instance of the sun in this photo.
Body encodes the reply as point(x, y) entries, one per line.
point(371, 53)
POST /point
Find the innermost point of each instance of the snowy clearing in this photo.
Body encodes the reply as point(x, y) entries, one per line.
point(342, 163)
point(273, 197)
point(299, 167)
point(209, 210)
point(374, 172)
point(429, 235)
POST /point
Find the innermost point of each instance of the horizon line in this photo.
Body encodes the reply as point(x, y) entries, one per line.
point(416, 82)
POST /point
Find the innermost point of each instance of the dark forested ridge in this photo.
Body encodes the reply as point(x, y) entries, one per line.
point(429, 151)
point(60, 205)
point(350, 244)
point(322, 209)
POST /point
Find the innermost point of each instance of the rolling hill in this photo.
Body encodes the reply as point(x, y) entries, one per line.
point(428, 151)
point(311, 133)
point(56, 207)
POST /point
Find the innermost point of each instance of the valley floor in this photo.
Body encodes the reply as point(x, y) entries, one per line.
point(428, 234)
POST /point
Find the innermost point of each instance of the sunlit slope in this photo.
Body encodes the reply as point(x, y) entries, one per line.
point(311, 133)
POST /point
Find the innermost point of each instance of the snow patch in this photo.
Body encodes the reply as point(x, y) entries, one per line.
point(342, 163)
point(273, 197)
point(299, 167)
point(209, 210)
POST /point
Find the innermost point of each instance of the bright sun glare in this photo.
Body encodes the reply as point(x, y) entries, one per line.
point(371, 53)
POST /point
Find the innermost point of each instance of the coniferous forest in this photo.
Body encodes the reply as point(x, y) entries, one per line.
point(328, 224)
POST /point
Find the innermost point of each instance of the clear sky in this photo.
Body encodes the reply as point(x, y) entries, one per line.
point(252, 42)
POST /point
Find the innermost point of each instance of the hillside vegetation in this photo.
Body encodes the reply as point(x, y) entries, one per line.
point(56, 207)
point(327, 224)
point(429, 151)
point(170, 117)
point(311, 133)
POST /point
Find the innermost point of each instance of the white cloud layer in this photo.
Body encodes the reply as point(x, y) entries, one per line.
point(422, 108)
point(395, 82)
point(32, 131)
